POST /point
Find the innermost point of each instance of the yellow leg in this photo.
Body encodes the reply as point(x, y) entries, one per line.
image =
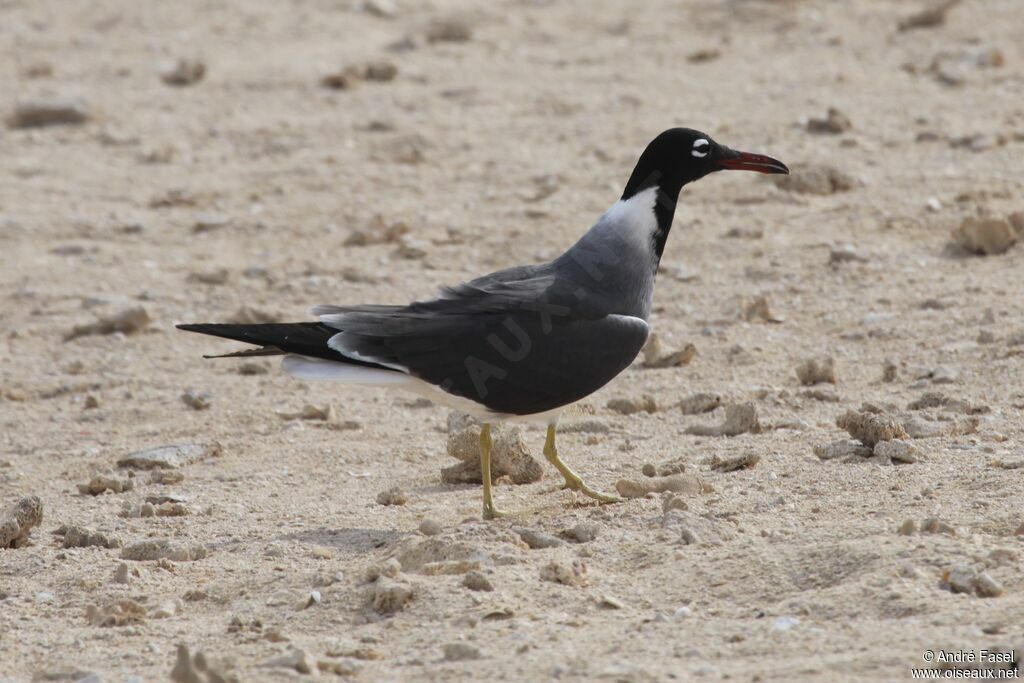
point(490, 512)
point(572, 480)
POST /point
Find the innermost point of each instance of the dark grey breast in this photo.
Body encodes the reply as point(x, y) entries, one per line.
point(520, 341)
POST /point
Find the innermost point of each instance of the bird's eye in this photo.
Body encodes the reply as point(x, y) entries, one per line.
point(701, 147)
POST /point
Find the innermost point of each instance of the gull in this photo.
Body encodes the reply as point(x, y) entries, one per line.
point(521, 343)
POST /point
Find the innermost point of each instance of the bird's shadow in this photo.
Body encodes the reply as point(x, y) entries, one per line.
point(348, 541)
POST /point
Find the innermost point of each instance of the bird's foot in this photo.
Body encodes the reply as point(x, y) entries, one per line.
point(578, 485)
point(491, 512)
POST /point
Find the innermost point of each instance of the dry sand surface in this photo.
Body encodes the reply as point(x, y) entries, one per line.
point(238, 185)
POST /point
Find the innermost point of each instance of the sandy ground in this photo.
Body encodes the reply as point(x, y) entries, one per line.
point(242, 189)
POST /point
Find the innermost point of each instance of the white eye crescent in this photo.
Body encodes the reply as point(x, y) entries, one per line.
point(701, 147)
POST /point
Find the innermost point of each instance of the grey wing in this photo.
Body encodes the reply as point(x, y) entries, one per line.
point(512, 341)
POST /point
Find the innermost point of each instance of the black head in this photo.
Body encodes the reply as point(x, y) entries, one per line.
point(679, 156)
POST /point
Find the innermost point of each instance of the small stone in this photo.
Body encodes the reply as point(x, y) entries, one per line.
point(509, 454)
point(1017, 221)
point(18, 520)
point(195, 400)
point(310, 412)
point(80, 537)
point(448, 30)
point(731, 464)
point(678, 483)
point(48, 112)
point(379, 71)
point(37, 70)
point(703, 55)
point(248, 315)
point(740, 418)
point(817, 370)
point(591, 426)
point(128, 321)
point(934, 525)
point(312, 598)
point(116, 613)
point(815, 179)
point(102, 483)
point(629, 406)
point(410, 148)
point(167, 610)
point(785, 623)
point(252, 369)
point(212, 277)
point(412, 249)
point(930, 17)
point(183, 72)
point(166, 477)
point(944, 374)
point(538, 539)
point(162, 498)
point(393, 496)
point(390, 568)
point(477, 581)
point(122, 574)
point(430, 527)
point(673, 502)
point(321, 552)
point(607, 601)
point(172, 510)
point(164, 549)
point(345, 79)
point(201, 668)
point(295, 659)
point(758, 308)
point(841, 449)
point(460, 652)
point(987, 587)
point(344, 668)
point(584, 532)
point(821, 394)
point(574, 574)
point(385, 9)
point(845, 253)
point(656, 356)
point(897, 450)
point(649, 470)
point(701, 402)
point(688, 537)
point(985, 236)
point(388, 597)
point(170, 457)
point(834, 123)
point(908, 528)
point(959, 579)
point(890, 372)
point(378, 232)
point(869, 428)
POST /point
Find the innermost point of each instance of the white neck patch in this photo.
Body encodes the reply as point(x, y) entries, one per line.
point(633, 219)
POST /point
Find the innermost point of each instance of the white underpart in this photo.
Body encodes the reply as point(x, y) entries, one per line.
point(307, 368)
point(633, 219)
